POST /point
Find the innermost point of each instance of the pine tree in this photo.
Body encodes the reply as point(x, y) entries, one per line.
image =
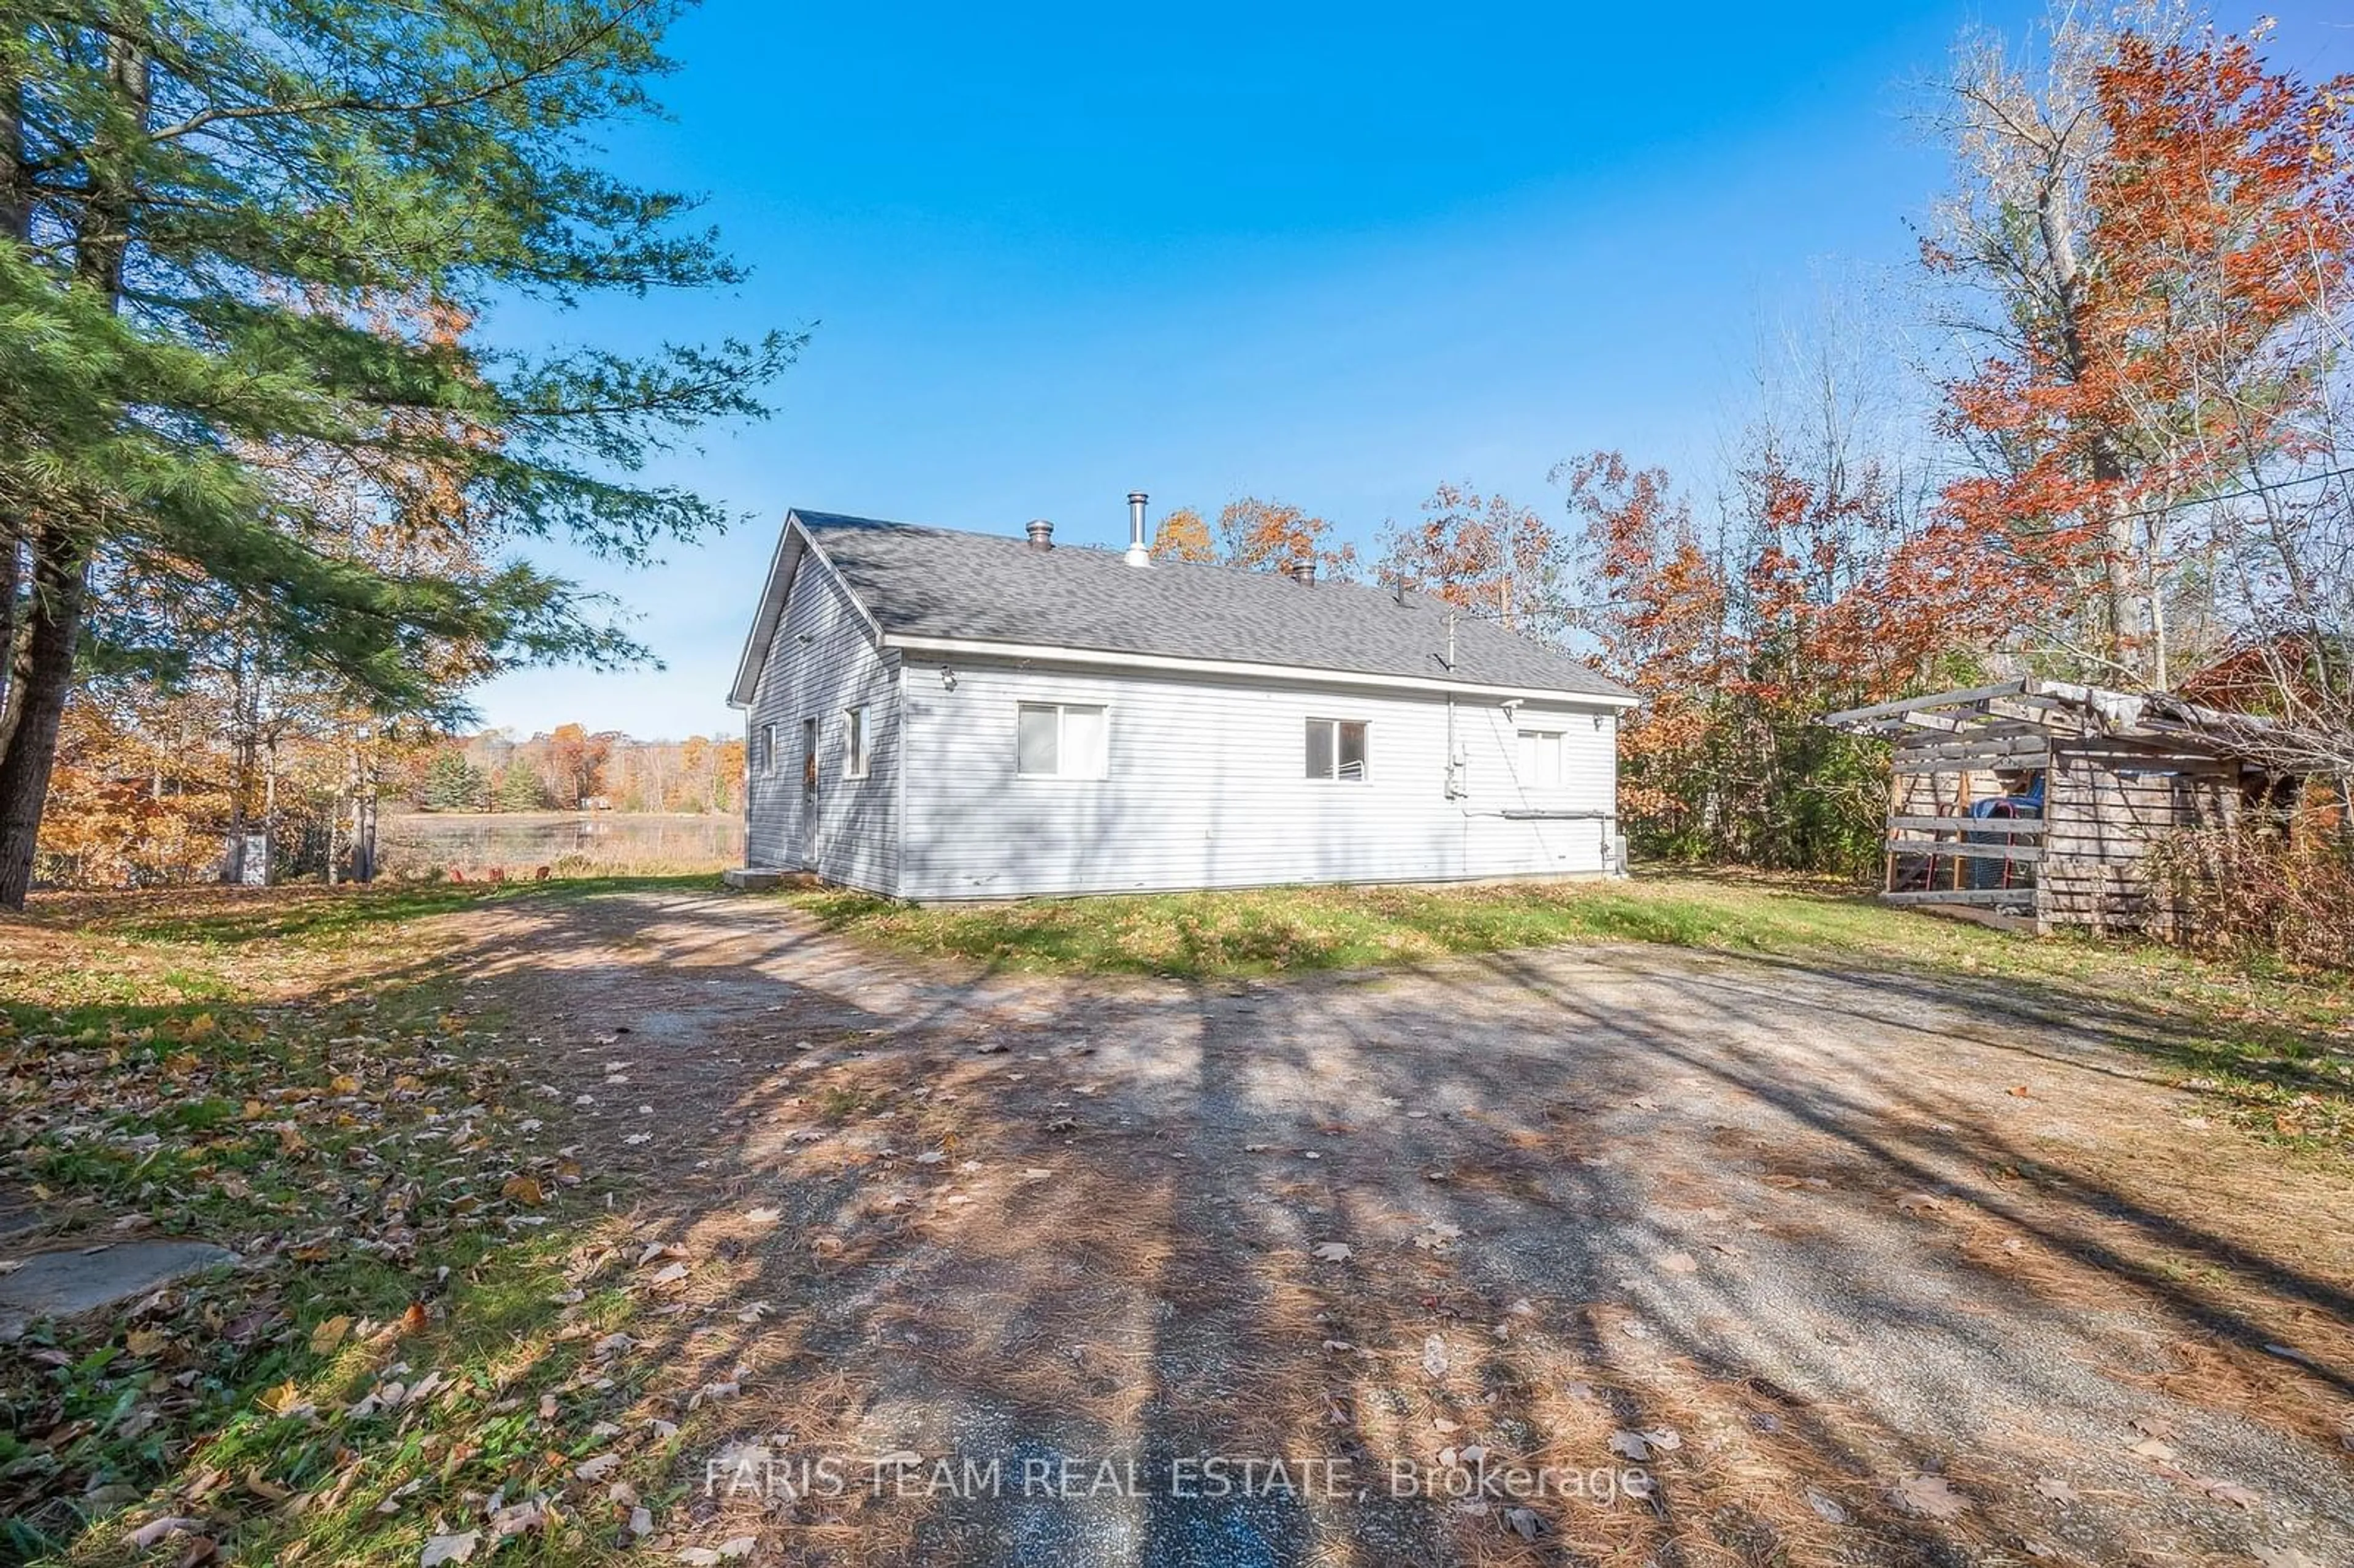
point(453, 784)
point(518, 790)
point(233, 241)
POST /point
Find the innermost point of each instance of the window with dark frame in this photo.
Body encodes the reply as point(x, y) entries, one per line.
point(767, 750)
point(1336, 750)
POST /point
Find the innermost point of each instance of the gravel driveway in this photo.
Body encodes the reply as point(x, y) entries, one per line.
point(1598, 1254)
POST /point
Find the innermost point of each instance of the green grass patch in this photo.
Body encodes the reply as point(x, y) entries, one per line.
point(317, 917)
point(2270, 1043)
point(374, 1155)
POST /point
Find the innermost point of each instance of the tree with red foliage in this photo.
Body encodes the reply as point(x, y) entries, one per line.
point(2158, 227)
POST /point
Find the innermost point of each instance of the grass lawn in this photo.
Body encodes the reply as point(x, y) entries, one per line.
point(302, 1079)
point(2274, 1044)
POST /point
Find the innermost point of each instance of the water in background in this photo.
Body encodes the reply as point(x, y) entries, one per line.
point(520, 842)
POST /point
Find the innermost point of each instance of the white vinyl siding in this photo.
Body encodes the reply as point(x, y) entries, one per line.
point(823, 665)
point(1202, 785)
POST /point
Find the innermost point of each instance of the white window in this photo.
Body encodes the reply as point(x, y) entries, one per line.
point(855, 742)
point(1336, 750)
point(1060, 740)
point(1541, 759)
point(767, 750)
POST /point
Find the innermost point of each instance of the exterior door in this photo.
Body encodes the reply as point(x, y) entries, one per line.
point(809, 794)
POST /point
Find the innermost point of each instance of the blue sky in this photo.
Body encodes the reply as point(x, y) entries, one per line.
point(1330, 255)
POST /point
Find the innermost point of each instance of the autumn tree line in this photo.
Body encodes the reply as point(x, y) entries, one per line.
point(571, 769)
point(2101, 439)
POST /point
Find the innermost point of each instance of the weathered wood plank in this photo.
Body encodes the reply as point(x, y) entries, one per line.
point(1948, 849)
point(1967, 762)
point(1933, 700)
point(2025, 826)
point(2022, 896)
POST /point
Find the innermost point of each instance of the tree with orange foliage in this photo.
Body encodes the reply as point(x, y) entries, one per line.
point(576, 763)
point(1658, 622)
point(2159, 228)
point(1275, 537)
point(1488, 555)
point(1181, 535)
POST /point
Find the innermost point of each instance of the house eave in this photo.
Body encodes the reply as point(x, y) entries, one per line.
point(784, 565)
point(1115, 660)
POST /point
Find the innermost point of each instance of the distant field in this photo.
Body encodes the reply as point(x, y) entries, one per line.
point(602, 843)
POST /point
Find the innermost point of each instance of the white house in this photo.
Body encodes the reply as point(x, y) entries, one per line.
point(938, 715)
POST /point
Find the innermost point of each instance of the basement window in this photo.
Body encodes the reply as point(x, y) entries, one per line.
point(1336, 750)
point(854, 743)
point(1541, 759)
point(1060, 740)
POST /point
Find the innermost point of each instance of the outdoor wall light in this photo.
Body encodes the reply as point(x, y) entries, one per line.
point(948, 679)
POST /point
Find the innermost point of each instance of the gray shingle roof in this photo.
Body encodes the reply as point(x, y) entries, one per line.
point(939, 582)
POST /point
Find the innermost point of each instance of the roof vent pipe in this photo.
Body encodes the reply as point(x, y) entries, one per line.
point(1138, 555)
point(1042, 534)
point(1303, 573)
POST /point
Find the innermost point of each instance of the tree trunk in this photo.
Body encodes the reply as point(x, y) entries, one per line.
point(43, 679)
point(44, 675)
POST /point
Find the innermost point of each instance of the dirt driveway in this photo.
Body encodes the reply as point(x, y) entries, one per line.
point(1627, 1254)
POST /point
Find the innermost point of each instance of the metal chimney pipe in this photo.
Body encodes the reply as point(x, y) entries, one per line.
point(1304, 573)
point(1042, 534)
point(1137, 555)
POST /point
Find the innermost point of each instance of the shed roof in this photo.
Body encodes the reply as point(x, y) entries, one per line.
point(2068, 710)
point(941, 583)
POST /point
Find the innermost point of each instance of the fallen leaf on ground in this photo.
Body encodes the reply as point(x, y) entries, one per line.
point(155, 1530)
point(763, 1216)
point(2230, 1492)
point(1828, 1508)
point(2056, 1489)
point(1434, 1356)
point(329, 1333)
point(1334, 1252)
point(1930, 1495)
point(443, 1549)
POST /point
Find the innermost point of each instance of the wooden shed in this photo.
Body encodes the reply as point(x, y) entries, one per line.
point(2040, 800)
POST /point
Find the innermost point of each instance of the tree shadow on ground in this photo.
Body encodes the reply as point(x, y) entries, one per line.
point(1744, 1259)
point(1037, 1220)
